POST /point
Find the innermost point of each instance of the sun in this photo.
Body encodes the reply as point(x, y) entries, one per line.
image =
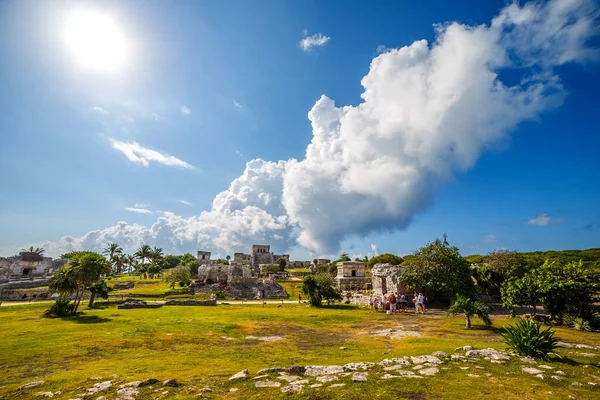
point(95, 40)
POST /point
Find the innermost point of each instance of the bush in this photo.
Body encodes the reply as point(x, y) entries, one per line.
point(526, 338)
point(60, 308)
point(575, 322)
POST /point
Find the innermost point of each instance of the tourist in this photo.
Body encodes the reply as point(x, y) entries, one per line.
point(423, 301)
point(370, 303)
point(299, 298)
point(375, 303)
point(420, 300)
point(393, 303)
point(416, 302)
point(383, 303)
point(404, 302)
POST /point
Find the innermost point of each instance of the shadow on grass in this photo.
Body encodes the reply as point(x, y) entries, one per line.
point(87, 319)
point(338, 307)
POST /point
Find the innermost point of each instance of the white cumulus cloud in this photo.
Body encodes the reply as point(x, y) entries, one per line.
point(316, 40)
point(144, 156)
point(428, 110)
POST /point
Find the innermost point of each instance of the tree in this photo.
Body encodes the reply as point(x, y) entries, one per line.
point(115, 256)
point(440, 268)
point(38, 250)
point(319, 287)
point(344, 257)
point(470, 308)
point(156, 255)
point(270, 269)
point(83, 269)
point(282, 262)
point(144, 253)
point(191, 263)
point(522, 291)
point(98, 289)
point(222, 261)
point(171, 261)
point(384, 259)
point(177, 274)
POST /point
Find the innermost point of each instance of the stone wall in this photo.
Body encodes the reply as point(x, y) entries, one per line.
point(191, 302)
point(386, 278)
point(23, 265)
point(298, 264)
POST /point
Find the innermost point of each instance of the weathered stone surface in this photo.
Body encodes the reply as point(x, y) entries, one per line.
point(426, 359)
point(360, 376)
point(316, 385)
point(558, 378)
point(256, 378)
point(467, 348)
point(560, 373)
point(439, 354)
point(358, 366)
point(393, 367)
point(564, 344)
point(32, 384)
point(233, 390)
point(123, 285)
point(457, 357)
point(429, 371)
point(473, 375)
point(127, 393)
point(240, 375)
point(206, 390)
point(137, 304)
point(171, 382)
point(191, 302)
point(317, 370)
point(395, 333)
point(545, 366)
point(100, 387)
point(267, 384)
point(134, 384)
point(531, 371)
point(343, 348)
point(336, 385)
point(45, 394)
point(292, 388)
point(491, 353)
point(528, 360)
point(541, 376)
point(389, 376)
point(327, 378)
point(576, 384)
point(585, 346)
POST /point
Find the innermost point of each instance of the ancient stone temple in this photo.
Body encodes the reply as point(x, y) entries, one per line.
point(385, 278)
point(351, 276)
point(27, 266)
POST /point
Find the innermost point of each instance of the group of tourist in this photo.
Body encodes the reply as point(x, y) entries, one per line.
point(394, 302)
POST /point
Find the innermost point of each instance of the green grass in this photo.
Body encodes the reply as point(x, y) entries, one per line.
point(203, 346)
point(292, 287)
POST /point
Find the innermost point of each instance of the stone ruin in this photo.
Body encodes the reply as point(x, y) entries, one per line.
point(260, 255)
point(235, 281)
point(28, 266)
point(385, 278)
point(351, 276)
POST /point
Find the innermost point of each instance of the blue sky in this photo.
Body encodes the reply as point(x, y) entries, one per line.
point(214, 85)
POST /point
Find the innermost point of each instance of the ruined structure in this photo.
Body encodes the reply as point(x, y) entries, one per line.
point(28, 266)
point(385, 278)
point(351, 276)
point(260, 255)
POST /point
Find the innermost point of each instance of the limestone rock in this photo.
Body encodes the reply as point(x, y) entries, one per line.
point(265, 338)
point(393, 367)
point(584, 346)
point(426, 359)
point(531, 371)
point(456, 357)
point(317, 370)
point(429, 371)
point(316, 385)
point(233, 390)
point(343, 348)
point(560, 373)
point(327, 378)
point(558, 378)
point(467, 348)
point(546, 367)
point(358, 366)
point(260, 377)
point(240, 375)
point(528, 360)
point(45, 394)
point(289, 378)
point(491, 353)
point(473, 375)
point(267, 384)
point(439, 354)
point(127, 393)
point(148, 382)
point(171, 382)
point(576, 384)
point(100, 387)
point(389, 376)
point(360, 376)
point(541, 376)
point(292, 388)
point(134, 384)
point(32, 384)
point(206, 390)
point(336, 385)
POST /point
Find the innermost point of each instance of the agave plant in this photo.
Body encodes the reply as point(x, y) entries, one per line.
point(527, 338)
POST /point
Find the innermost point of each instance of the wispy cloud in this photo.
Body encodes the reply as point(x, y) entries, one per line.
point(310, 42)
point(544, 219)
point(382, 49)
point(99, 110)
point(187, 203)
point(144, 156)
point(185, 111)
point(375, 249)
point(239, 153)
point(237, 105)
point(138, 210)
point(141, 205)
point(489, 238)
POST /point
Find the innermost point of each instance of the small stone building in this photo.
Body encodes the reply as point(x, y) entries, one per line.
point(28, 265)
point(385, 278)
point(351, 276)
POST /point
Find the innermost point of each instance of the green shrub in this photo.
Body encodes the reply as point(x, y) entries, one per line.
point(527, 338)
point(60, 308)
point(581, 324)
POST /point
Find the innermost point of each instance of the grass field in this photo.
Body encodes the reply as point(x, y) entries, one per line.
point(204, 346)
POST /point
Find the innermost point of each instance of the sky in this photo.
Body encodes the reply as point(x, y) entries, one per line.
point(317, 128)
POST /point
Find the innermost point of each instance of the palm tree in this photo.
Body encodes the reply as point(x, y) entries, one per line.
point(113, 251)
point(228, 258)
point(37, 250)
point(143, 253)
point(470, 307)
point(156, 254)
